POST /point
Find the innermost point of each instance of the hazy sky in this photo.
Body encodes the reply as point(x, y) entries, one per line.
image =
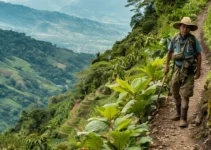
point(43, 4)
point(107, 11)
point(58, 4)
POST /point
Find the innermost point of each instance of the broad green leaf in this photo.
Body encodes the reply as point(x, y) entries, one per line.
point(101, 110)
point(142, 85)
point(131, 115)
point(134, 148)
point(137, 130)
point(142, 130)
point(150, 90)
point(124, 85)
point(96, 126)
point(110, 112)
point(139, 97)
point(157, 62)
point(121, 96)
point(111, 105)
point(144, 140)
point(149, 70)
point(139, 108)
point(143, 70)
point(140, 75)
point(121, 123)
point(82, 133)
point(120, 139)
point(143, 125)
point(155, 97)
point(136, 82)
point(105, 147)
point(158, 75)
point(111, 145)
point(94, 142)
point(98, 119)
point(146, 98)
point(117, 88)
point(128, 106)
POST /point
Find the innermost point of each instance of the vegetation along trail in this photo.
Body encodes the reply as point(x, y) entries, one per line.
point(166, 134)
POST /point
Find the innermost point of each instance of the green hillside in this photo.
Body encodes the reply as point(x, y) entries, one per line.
point(116, 96)
point(31, 71)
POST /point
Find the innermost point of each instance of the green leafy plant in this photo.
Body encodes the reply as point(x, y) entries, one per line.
point(118, 127)
point(140, 96)
point(112, 130)
point(35, 142)
point(153, 69)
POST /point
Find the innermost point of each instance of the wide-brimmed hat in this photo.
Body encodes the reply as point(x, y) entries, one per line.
point(186, 21)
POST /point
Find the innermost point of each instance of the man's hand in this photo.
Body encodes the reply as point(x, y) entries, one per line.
point(198, 71)
point(197, 74)
point(168, 58)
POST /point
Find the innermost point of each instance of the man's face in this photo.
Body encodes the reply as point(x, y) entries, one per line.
point(184, 30)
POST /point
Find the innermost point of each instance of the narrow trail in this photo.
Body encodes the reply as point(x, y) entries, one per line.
point(166, 134)
point(75, 107)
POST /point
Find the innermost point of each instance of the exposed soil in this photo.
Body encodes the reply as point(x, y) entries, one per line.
point(166, 134)
point(75, 107)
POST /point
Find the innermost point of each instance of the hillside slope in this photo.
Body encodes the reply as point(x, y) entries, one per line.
point(31, 71)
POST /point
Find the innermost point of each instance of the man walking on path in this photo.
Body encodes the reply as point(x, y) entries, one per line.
point(185, 51)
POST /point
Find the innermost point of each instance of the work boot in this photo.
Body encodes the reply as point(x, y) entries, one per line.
point(176, 117)
point(183, 119)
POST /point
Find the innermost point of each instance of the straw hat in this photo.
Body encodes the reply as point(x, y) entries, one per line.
point(186, 21)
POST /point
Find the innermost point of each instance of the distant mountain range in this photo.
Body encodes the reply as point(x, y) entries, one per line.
point(109, 11)
point(31, 71)
point(78, 34)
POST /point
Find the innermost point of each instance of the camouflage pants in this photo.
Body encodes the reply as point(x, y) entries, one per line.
point(182, 85)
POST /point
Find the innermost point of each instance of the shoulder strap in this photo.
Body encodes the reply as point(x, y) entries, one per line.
point(192, 37)
point(183, 48)
point(174, 39)
point(194, 41)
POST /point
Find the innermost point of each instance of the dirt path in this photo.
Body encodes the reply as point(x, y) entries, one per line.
point(165, 133)
point(75, 107)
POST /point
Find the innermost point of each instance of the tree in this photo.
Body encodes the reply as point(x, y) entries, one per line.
point(139, 5)
point(35, 142)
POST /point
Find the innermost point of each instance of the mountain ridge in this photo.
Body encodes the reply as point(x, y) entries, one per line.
point(28, 80)
point(61, 29)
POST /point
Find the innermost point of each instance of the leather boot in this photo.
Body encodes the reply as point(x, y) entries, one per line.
point(176, 117)
point(183, 119)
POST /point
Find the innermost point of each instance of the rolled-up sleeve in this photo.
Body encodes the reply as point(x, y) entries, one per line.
point(170, 47)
